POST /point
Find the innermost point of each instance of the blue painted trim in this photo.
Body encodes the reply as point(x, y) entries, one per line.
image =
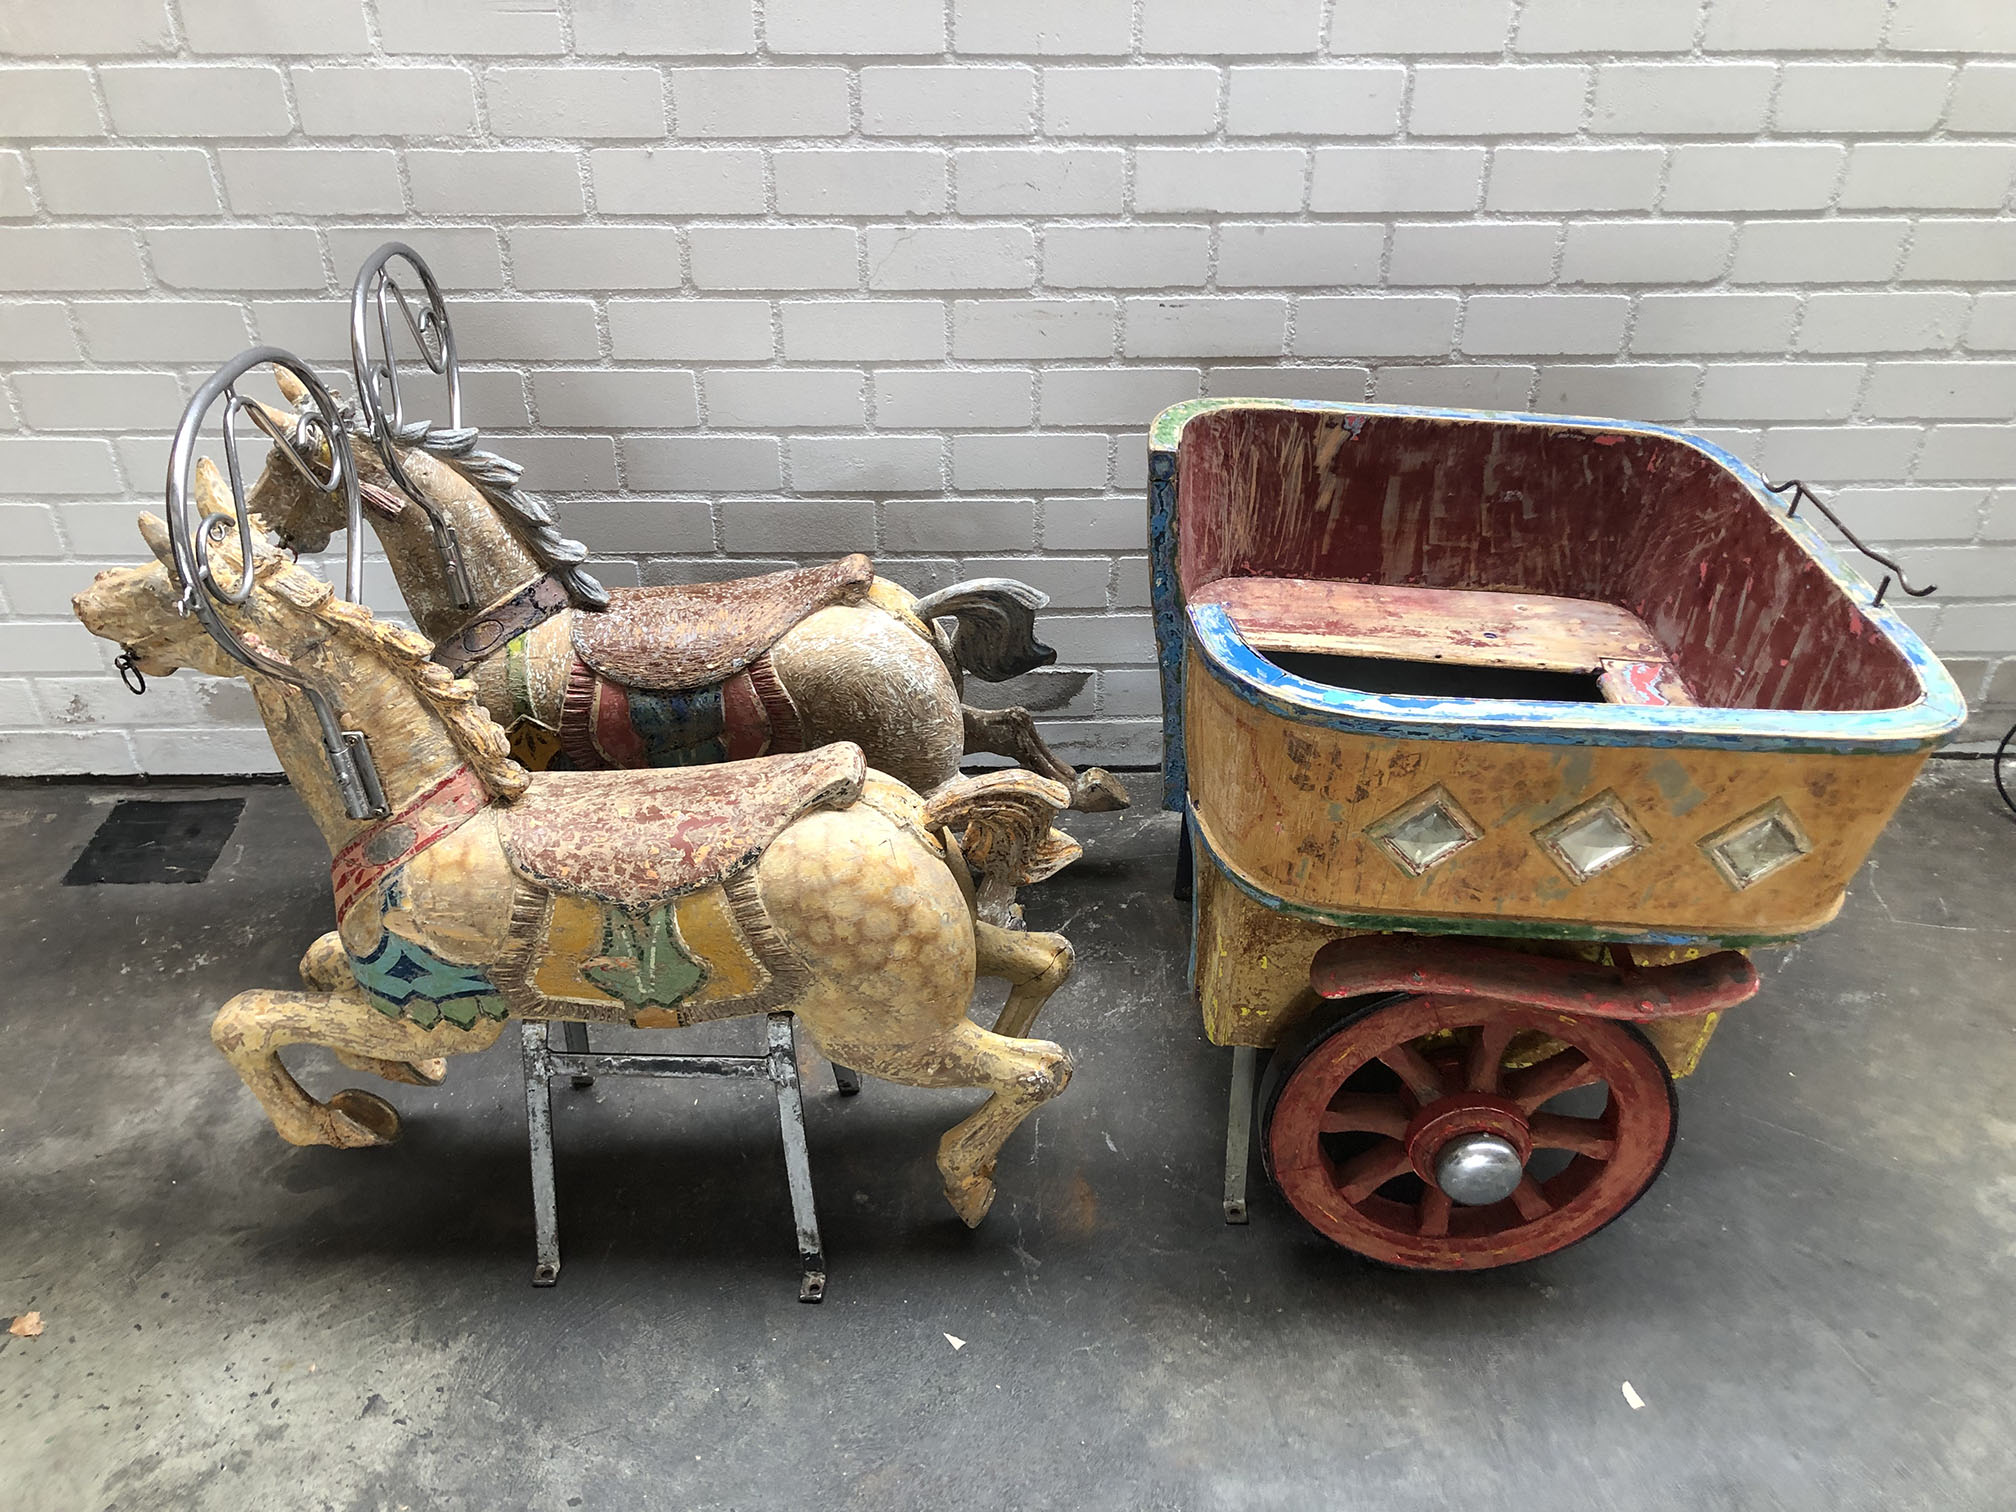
point(1475, 926)
point(1924, 724)
point(1167, 600)
point(1253, 679)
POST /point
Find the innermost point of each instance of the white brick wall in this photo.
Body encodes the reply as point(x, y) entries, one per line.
point(748, 280)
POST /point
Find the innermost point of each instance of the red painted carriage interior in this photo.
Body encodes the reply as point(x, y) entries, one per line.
point(1643, 522)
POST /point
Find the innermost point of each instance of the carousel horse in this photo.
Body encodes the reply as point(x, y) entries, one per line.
point(479, 893)
point(585, 677)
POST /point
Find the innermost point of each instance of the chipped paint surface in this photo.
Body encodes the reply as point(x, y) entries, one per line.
point(1294, 810)
point(1800, 559)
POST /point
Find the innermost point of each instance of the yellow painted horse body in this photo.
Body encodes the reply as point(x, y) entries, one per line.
point(848, 905)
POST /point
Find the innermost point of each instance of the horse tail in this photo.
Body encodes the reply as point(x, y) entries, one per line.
point(996, 634)
point(1001, 822)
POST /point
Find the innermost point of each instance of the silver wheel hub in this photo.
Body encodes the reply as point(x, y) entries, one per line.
point(1478, 1169)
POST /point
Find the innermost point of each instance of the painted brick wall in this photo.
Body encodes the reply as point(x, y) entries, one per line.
point(745, 283)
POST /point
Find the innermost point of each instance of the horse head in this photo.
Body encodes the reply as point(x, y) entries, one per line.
point(140, 609)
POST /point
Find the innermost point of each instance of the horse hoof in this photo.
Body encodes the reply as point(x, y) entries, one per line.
point(359, 1120)
point(970, 1197)
point(1098, 791)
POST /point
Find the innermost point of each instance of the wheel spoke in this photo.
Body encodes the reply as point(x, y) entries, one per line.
point(1557, 1074)
point(1362, 1175)
point(1530, 1200)
point(1484, 1066)
point(1413, 1068)
point(1585, 1136)
point(1366, 1112)
point(1434, 1213)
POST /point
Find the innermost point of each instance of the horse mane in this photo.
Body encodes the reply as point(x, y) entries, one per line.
point(470, 726)
point(528, 516)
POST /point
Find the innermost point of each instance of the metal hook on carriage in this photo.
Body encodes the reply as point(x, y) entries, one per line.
point(128, 667)
point(191, 538)
point(372, 300)
point(1801, 494)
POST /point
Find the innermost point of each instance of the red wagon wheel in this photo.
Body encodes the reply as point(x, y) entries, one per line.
point(1424, 1132)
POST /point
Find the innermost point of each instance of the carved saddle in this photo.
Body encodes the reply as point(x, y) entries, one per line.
point(698, 635)
point(667, 832)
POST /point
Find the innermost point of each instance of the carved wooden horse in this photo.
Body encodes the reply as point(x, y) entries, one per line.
point(585, 677)
point(653, 898)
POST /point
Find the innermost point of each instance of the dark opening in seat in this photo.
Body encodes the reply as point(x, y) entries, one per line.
point(1379, 674)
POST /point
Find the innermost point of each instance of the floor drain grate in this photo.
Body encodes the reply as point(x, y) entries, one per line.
point(151, 841)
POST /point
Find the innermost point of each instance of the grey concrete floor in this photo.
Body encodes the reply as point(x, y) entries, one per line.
point(1814, 1302)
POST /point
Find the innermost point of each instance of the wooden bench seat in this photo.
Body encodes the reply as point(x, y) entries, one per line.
point(1458, 625)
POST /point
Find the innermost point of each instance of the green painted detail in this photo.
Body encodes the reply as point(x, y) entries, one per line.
point(517, 677)
point(402, 979)
point(643, 959)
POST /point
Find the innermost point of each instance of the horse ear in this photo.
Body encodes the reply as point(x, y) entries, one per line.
point(283, 419)
point(213, 494)
point(154, 531)
point(291, 388)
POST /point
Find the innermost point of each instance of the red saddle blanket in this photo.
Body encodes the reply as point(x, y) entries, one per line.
point(640, 837)
point(694, 635)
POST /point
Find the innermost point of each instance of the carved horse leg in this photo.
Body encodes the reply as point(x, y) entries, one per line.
point(1022, 1074)
point(1035, 964)
point(325, 968)
point(1012, 733)
point(885, 929)
point(253, 1027)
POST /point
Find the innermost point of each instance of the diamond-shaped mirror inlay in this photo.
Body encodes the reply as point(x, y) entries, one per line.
point(1425, 831)
point(1592, 837)
point(1758, 844)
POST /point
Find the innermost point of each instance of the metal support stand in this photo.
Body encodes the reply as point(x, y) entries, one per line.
point(1239, 1132)
point(778, 1065)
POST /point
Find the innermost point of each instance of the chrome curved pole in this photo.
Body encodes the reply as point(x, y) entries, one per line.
point(372, 300)
point(191, 537)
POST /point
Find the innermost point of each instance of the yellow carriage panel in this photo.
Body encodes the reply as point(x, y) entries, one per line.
point(1302, 813)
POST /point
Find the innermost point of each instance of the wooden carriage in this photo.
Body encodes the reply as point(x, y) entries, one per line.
point(1499, 738)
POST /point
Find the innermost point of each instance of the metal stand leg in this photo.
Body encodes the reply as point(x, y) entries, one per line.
point(797, 1159)
point(1239, 1132)
point(539, 1122)
point(846, 1079)
point(1185, 864)
point(778, 1065)
point(575, 1037)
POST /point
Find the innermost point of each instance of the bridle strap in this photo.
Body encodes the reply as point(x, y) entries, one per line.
point(432, 816)
point(496, 627)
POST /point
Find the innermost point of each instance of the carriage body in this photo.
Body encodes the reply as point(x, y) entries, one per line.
point(1500, 740)
point(1518, 676)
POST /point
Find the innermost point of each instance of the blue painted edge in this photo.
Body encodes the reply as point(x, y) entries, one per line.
point(1253, 679)
point(1478, 926)
point(1167, 602)
point(1926, 723)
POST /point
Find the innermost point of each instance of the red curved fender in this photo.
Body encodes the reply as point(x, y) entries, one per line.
point(1436, 966)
